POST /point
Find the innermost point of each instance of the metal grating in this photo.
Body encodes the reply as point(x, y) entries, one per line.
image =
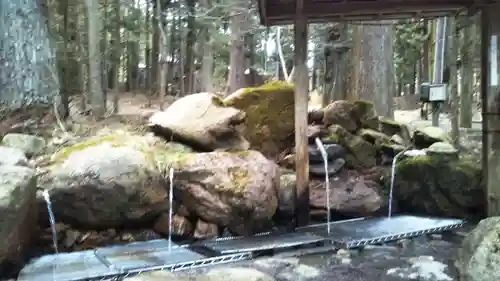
point(361, 232)
point(126, 258)
point(118, 262)
point(74, 266)
point(262, 242)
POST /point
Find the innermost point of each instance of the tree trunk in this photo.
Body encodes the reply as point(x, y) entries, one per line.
point(28, 74)
point(207, 63)
point(467, 81)
point(97, 99)
point(373, 77)
point(189, 66)
point(236, 79)
point(163, 50)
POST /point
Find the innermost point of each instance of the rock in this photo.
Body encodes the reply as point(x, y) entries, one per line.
point(341, 113)
point(425, 137)
point(12, 156)
point(180, 225)
point(269, 123)
point(443, 149)
point(457, 190)
point(236, 190)
point(350, 194)
point(235, 274)
point(200, 121)
point(316, 131)
point(315, 116)
point(286, 205)
point(333, 167)
point(18, 212)
point(30, 145)
point(363, 154)
point(333, 152)
point(374, 137)
point(205, 230)
point(110, 181)
point(391, 127)
point(479, 258)
point(397, 139)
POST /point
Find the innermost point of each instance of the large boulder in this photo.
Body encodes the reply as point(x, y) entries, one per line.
point(342, 113)
point(237, 190)
point(202, 122)
point(270, 112)
point(12, 156)
point(110, 181)
point(30, 145)
point(479, 258)
point(431, 186)
point(18, 212)
point(350, 194)
point(425, 137)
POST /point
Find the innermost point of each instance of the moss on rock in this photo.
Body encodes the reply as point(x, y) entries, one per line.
point(428, 185)
point(363, 153)
point(270, 121)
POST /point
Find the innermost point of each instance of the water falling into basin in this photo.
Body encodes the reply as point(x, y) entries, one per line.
point(405, 152)
point(170, 209)
point(52, 220)
point(324, 155)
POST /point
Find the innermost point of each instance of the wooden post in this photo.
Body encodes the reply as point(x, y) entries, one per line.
point(301, 101)
point(490, 95)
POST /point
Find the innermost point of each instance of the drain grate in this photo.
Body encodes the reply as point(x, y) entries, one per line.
point(361, 232)
point(262, 242)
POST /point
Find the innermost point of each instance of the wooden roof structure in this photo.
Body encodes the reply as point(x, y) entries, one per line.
point(280, 12)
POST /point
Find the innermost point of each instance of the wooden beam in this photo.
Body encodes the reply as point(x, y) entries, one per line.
point(301, 101)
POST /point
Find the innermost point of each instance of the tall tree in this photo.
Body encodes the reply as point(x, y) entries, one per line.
point(239, 25)
point(372, 66)
point(28, 74)
point(97, 95)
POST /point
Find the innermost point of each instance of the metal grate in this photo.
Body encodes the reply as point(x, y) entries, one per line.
point(361, 232)
point(262, 242)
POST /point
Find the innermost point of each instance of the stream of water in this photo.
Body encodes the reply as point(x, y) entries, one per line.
point(52, 220)
point(324, 155)
point(170, 209)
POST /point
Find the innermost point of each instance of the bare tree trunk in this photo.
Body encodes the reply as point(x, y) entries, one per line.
point(97, 98)
point(467, 82)
point(163, 50)
point(236, 79)
point(373, 78)
point(28, 74)
point(207, 63)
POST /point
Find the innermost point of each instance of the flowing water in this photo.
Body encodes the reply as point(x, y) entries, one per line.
point(46, 197)
point(170, 211)
point(405, 152)
point(324, 155)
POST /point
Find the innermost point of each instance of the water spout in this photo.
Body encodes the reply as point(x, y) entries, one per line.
point(170, 209)
point(52, 220)
point(324, 155)
point(405, 152)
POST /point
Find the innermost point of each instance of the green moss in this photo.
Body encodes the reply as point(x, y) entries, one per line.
point(218, 101)
point(63, 153)
point(239, 179)
point(364, 109)
point(269, 122)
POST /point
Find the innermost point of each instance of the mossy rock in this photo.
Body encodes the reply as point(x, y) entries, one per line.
point(479, 256)
point(270, 116)
point(429, 186)
point(362, 154)
point(365, 112)
point(374, 137)
point(425, 137)
point(159, 152)
point(391, 127)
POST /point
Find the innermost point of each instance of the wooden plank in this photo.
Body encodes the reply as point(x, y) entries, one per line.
point(490, 94)
point(301, 101)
